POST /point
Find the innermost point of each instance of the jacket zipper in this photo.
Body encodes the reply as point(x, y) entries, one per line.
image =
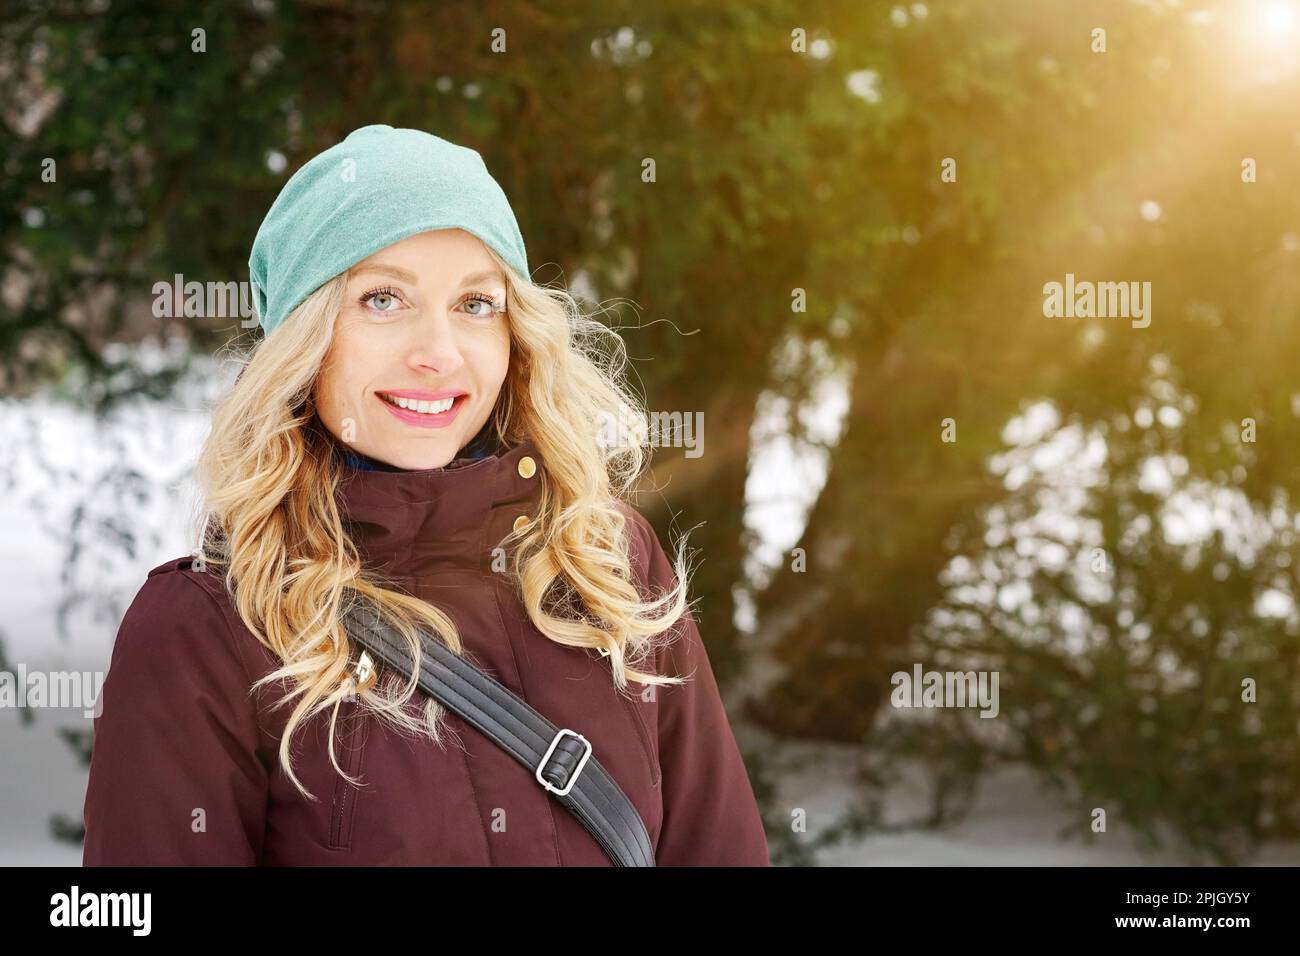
point(651, 756)
point(350, 746)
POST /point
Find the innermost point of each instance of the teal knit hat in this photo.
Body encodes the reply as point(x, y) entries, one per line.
point(377, 187)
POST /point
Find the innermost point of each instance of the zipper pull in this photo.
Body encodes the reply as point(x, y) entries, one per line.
point(365, 668)
point(361, 678)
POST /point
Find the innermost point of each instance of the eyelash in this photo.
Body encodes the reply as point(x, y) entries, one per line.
point(481, 297)
point(473, 296)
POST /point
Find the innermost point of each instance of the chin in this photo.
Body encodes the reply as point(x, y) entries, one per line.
point(414, 454)
point(414, 461)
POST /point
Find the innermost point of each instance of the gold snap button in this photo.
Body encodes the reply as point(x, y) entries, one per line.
point(527, 467)
point(522, 522)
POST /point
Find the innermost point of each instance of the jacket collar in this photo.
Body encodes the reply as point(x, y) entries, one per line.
point(409, 525)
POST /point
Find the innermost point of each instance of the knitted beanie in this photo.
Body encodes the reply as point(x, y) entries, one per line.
point(377, 187)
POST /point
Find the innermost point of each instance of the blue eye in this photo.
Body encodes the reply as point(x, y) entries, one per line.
point(487, 305)
point(381, 300)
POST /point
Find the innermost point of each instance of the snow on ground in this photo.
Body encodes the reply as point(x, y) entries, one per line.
point(68, 470)
point(1012, 823)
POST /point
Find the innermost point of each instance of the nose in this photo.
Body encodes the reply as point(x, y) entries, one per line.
point(434, 346)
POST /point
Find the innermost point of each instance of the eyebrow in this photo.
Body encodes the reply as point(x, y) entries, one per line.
point(405, 275)
point(401, 275)
point(493, 275)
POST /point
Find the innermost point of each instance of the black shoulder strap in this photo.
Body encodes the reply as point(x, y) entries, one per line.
point(561, 760)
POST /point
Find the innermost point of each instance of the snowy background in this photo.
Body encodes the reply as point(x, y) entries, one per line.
point(91, 505)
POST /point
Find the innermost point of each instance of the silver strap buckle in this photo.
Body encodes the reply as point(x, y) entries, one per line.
point(573, 778)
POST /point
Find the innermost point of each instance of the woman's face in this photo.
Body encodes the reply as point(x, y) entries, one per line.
point(423, 323)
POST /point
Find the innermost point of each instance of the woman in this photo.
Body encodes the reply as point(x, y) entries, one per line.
point(418, 430)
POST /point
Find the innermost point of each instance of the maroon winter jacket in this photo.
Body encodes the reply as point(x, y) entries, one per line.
point(185, 766)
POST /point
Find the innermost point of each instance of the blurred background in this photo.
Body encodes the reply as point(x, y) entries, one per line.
point(827, 228)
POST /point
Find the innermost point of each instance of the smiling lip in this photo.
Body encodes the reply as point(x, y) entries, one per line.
point(421, 419)
point(422, 396)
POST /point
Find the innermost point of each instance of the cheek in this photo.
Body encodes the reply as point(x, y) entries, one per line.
point(327, 393)
point(491, 355)
point(343, 377)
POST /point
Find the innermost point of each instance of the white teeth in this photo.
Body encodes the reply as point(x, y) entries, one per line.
point(424, 408)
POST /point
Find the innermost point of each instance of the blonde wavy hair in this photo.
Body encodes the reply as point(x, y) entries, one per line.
point(270, 521)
